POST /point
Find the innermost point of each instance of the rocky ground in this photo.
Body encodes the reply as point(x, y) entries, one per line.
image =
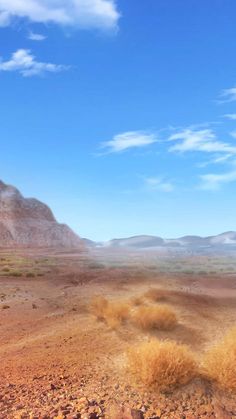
point(65, 396)
point(58, 361)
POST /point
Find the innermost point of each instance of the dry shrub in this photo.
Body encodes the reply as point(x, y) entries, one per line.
point(98, 307)
point(155, 295)
point(151, 317)
point(163, 364)
point(116, 313)
point(112, 312)
point(137, 301)
point(219, 363)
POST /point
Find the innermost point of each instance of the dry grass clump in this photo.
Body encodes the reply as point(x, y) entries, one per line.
point(152, 317)
point(15, 273)
point(137, 300)
point(155, 295)
point(162, 364)
point(219, 363)
point(116, 313)
point(112, 312)
point(30, 275)
point(98, 307)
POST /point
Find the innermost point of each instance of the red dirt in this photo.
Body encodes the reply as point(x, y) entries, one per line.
point(57, 361)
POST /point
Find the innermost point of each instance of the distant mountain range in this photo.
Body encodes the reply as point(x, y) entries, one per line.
point(151, 242)
point(27, 222)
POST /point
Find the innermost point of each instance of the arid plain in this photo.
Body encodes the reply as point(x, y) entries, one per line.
point(62, 358)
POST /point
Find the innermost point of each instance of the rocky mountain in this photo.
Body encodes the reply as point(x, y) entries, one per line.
point(29, 222)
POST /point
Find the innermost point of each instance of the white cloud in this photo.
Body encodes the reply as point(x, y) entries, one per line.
point(36, 36)
point(228, 95)
point(215, 181)
point(4, 18)
point(217, 160)
point(160, 184)
point(130, 139)
point(222, 159)
point(233, 134)
point(25, 63)
point(203, 140)
point(102, 14)
point(231, 116)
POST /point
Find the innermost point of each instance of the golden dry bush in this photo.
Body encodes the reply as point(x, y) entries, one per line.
point(155, 317)
point(116, 313)
point(163, 364)
point(219, 363)
point(137, 300)
point(112, 312)
point(155, 295)
point(98, 307)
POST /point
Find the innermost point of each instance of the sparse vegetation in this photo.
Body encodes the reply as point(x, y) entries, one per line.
point(112, 312)
point(163, 364)
point(98, 307)
point(139, 304)
point(220, 362)
point(19, 266)
point(96, 265)
point(30, 275)
point(15, 273)
point(152, 317)
point(116, 313)
point(137, 301)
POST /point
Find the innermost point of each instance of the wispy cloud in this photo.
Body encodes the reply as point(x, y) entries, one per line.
point(159, 184)
point(228, 95)
point(205, 140)
point(231, 116)
point(4, 18)
point(216, 181)
point(129, 139)
point(101, 14)
point(36, 37)
point(217, 160)
point(24, 62)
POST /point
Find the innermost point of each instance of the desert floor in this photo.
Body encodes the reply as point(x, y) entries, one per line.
point(59, 361)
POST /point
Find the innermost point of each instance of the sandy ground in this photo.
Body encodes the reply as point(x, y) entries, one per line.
point(58, 361)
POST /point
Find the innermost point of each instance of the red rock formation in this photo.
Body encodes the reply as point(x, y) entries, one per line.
point(29, 222)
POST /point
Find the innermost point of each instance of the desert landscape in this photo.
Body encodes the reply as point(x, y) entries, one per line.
point(95, 330)
point(65, 354)
point(117, 209)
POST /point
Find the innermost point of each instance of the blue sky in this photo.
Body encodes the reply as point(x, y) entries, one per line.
point(121, 115)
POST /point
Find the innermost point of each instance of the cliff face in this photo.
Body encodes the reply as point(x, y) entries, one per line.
point(29, 222)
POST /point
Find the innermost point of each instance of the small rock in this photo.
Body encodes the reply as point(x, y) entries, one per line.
point(137, 414)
